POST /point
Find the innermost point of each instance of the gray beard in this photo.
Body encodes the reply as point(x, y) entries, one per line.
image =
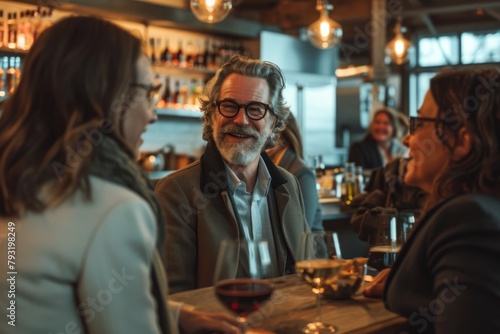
point(239, 154)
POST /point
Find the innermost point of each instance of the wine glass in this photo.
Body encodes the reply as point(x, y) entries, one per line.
point(319, 263)
point(385, 242)
point(240, 277)
point(406, 220)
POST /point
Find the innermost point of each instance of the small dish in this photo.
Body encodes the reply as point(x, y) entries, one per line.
point(349, 281)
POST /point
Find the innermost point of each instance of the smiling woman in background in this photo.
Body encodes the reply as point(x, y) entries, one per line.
point(447, 277)
point(86, 219)
point(381, 144)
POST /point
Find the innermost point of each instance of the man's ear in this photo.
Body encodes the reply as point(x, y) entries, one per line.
point(463, 144)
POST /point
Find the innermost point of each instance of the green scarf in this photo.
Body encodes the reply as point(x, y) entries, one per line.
point(112, 163)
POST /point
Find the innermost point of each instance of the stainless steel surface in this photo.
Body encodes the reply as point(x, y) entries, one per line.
point(310, 89)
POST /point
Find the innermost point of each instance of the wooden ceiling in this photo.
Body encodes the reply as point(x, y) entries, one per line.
point(419, 16)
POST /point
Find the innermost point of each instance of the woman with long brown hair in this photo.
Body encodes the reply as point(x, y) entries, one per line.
point(447, 277)
point(83, 216)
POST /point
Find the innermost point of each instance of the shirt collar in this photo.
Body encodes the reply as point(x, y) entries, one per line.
point(262, 183)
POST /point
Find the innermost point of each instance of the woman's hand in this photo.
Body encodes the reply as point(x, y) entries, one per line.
point(196, 322)
point(376, 288)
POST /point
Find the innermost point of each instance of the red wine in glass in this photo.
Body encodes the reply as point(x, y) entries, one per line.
point(243, 296)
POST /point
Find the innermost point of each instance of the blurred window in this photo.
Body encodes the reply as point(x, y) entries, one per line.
point(480, 48)
point(438, 51)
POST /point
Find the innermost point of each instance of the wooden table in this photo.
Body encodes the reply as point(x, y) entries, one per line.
point(293, 304)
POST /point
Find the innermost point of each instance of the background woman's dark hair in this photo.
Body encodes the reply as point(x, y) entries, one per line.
point(470, 99)
point(75, 81)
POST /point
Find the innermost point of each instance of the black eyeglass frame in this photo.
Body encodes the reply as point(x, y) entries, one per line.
point(245, 106)
point(414, 122)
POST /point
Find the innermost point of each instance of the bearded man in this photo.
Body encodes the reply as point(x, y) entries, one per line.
point(234, 191)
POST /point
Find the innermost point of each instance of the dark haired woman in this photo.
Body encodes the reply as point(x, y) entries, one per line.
point(447, 276)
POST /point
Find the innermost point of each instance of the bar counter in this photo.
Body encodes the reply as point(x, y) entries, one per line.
point(293, 304)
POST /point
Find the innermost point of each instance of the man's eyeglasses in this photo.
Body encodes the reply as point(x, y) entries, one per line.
point(254, 110)
point(152, 92)
point(416, 122)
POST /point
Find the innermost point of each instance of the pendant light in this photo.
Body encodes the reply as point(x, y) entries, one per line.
point(399, 48)
point(211, 11)
point(324, 33)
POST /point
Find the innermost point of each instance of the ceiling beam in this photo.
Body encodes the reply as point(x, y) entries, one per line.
point(455, 8)
point(428, 23)
point(493, 12)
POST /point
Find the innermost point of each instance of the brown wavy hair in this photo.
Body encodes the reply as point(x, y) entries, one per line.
point(470, 99)
point(75, 81)
point(292, 136)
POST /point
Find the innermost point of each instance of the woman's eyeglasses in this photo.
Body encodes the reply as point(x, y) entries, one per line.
point(152, 92)
point(254, 110)
point(416, 122)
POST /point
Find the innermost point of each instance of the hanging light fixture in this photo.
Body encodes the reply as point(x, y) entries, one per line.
point(211, 11)
point(399, 48)
point(325, 32)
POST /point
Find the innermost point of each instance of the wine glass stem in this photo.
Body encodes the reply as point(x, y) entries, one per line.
point(243, 324)
point(318, 307)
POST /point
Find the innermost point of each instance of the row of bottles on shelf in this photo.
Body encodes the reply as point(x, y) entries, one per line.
point(187, 54)
point(10, 74)
point(181, 93)
point(19, 29)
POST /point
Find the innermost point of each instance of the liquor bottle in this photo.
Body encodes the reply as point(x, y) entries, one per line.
point(214, 56)
point(176, 93)
point(181, 56)
point(192, 92)
point(183, 97)
point(199, 55)
point(348, 186)
point(152, 51)
point(3, 91)
point(10, 78)
point(17, 70)
point(12, 30)
point(2, 29)
point(206, 54)
point(167, 94)
point(166, 56)
point(189, 55)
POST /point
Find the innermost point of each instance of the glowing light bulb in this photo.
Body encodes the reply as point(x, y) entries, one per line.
point(211, 11)
point(399, 48)
point(325, 32)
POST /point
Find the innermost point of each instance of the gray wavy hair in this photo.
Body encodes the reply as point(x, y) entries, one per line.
point(252, 68)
